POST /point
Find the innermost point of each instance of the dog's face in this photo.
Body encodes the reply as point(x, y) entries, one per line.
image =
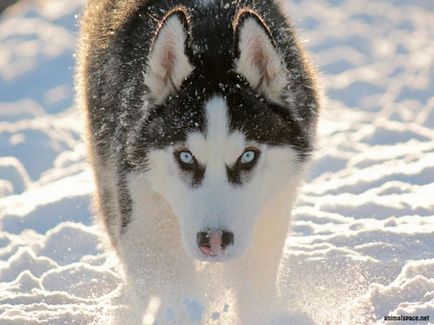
point(218, 183)
point(219, 156)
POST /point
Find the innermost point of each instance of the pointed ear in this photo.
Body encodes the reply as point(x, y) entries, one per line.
point(258, 59)
point(168, 63)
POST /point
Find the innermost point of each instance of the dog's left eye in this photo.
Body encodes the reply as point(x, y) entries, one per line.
point(248, 158)
point(186, 157)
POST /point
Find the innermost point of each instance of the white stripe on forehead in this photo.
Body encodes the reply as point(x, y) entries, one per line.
point(218, 144)
point(217, 118)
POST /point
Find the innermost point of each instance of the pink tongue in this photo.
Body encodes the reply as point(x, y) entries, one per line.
point(215, 242)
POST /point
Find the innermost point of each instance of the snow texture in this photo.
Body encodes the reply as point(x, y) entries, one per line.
point(362, 242)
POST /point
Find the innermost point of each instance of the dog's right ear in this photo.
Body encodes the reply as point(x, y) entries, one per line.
point(168, 64)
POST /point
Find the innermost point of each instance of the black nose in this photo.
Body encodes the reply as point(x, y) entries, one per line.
point(204, 238)
point(227, 238)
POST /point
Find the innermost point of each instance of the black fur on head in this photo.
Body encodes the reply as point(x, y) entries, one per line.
point(212, 49)
point(118, 104)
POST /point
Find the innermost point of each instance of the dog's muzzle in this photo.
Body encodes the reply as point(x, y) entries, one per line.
point(213, 242)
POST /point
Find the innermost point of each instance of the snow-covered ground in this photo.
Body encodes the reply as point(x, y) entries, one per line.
point(362, 243)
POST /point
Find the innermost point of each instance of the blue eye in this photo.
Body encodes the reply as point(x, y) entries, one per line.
point(186, 157)
point(248, 156)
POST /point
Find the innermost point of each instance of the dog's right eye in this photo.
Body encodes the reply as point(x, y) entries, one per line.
point(185, 159)
point(192, 170)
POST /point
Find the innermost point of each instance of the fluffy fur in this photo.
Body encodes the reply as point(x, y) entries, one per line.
point(218, 81)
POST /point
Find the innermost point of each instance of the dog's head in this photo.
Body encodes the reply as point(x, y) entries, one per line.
point(220, 144)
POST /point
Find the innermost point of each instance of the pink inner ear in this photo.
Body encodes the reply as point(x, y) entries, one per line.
point(168, 63)
point(259, 59)
point(260, 62)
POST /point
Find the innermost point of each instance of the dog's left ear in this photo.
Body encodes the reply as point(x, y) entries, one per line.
point(258, 60)
point(168, 64)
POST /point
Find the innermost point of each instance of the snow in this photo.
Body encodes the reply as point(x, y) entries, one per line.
point(362, 242)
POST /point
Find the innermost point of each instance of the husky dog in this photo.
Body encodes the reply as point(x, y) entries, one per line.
point(201, 116)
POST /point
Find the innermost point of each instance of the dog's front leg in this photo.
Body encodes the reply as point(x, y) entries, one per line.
point(254, 276)
point(162, 278)
point(157, 267)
